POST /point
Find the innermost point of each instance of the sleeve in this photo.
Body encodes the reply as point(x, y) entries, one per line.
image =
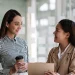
point(49, 59)
point(3, 71)
point(72, 65)
point(26, 50)
point(0, 50)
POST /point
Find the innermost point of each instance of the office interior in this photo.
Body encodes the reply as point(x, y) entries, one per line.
point(40, 18)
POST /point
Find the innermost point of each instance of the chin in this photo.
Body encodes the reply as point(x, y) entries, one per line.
point(16, 33)
point(54, 40)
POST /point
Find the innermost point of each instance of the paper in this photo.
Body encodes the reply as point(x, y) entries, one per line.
point(39, 68)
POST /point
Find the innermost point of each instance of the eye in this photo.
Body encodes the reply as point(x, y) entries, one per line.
point(57, 30)
point(21, 23)
point(17, 23)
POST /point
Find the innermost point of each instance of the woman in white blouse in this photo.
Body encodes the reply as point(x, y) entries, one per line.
point(63, 56)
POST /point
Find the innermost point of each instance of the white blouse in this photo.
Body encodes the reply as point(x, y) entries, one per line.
point(61, 54)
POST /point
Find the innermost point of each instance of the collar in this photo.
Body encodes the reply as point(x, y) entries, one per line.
point(61, 54)
point(55, 51)
point(68, 50)
point(8, 38)
point(64, 50)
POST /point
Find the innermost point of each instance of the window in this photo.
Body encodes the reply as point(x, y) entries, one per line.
point(44, 22)
point(52, 4)
point(44, 7)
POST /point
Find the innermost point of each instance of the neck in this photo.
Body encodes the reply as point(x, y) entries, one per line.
point(63, 46)
point(11, 36)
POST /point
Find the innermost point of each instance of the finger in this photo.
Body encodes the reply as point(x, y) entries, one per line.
point(23, 68)
point(48, 73)
point(16, 67)
point(21, 62)
point(54, 73)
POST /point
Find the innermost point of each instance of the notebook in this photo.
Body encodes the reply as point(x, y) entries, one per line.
point(39, 68)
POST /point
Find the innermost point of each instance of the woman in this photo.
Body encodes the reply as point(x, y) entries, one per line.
point(63, 56)
point(11, 45)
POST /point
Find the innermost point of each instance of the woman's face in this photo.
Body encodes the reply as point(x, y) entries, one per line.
point(15, 25)
point(60, 35)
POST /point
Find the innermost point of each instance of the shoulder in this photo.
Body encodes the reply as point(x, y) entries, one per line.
point(53, 50)
point(20, 40)
point(1, 41)
point(73, 53)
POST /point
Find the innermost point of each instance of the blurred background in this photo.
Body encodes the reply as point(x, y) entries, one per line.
point(39, 20)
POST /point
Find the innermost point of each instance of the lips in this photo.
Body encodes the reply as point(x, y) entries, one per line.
point(17, 30)
point(55, 36)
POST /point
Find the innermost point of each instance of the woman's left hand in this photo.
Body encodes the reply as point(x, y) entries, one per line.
point(23, 66)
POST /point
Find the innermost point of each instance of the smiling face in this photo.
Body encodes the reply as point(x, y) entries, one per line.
point(15, 25)
point(60, 35)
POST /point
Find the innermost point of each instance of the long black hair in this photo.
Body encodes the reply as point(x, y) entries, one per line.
point(8, 18)
point(69, 26)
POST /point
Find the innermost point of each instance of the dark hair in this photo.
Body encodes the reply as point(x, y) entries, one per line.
point(19, 57)
point(69, 26)
point(8, 17)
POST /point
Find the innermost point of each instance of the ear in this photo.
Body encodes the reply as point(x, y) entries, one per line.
point(7, 25)
point(67, 34)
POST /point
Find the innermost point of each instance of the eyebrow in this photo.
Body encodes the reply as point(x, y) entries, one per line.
point(17, 22)
point(57, 28)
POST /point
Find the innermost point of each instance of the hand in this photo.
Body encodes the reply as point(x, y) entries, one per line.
point(51, 73)
point(48, 73)
point(23, 66)
point(14, 69)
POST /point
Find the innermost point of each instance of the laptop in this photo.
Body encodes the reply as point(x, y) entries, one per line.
point(40, 68)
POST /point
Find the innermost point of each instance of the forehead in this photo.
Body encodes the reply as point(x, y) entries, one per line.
point(58, 26)
point(17, 19)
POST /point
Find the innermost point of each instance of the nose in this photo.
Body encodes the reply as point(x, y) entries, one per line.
point(54, 32)
point(20, 26)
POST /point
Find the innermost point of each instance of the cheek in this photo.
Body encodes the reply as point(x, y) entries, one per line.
point(59, 34)
point(14, 27)
point(11, 27)
point(61, 37)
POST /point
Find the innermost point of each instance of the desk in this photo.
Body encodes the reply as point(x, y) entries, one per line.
point(20, 73)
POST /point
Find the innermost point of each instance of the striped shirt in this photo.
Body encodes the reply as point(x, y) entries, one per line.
point(10, 48)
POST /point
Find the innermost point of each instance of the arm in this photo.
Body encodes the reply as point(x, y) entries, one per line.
point(26, 56)
point(26, 52)
point(72, 65)
point(4, 71)
point(50, 56)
